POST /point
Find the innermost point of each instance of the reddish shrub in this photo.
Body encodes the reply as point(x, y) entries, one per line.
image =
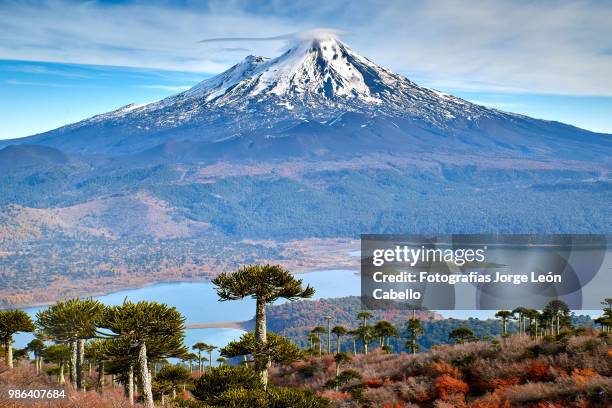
point(536, 370)
point(502, 383)
point(446, 386)
point(373, 382)
point(583, 375)
point(443, 368)
point(493, 400)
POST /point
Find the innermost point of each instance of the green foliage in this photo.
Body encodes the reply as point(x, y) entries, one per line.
point(461, 335)
point(57, 353)
point(267, 283)
point(169, 378)
point(278, 349)
point(343, 378)
point(295, 320)
point(14, 321)
point(70, 320)
point(240, 387)
point(295, 397)
point(209, 387)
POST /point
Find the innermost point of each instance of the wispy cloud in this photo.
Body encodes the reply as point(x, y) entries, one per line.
point(32, 83)
point(173, 88)
point(549, 46)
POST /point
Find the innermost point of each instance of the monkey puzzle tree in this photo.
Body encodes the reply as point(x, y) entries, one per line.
point(521, 312)
point(504, 315)
point(415, 330)
point(339, 331)
point(189, 358)
point(384, 330)
point(462, 335)
point(317, 331)
point(364, 316)
point(265, 284)
point(339, 359)
point(354, 333)
point(366, 334)
point(11, 322)
point(559, 314)
point(533, 316)
point(97, 351)
point(210, 348)
point(200, 347)
point(57, 354)
point(154, 329)
point(72, 321)
point(36, 347)
point(173, 375)
point(278, 349)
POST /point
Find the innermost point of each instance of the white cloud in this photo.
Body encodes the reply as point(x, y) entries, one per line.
point(33, 83)
point(173, 88)
point(548, 46)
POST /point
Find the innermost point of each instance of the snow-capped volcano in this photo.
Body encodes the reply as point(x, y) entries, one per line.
point(318, 66)
point(315, 99)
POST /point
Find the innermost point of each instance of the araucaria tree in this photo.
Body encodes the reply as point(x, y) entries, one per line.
point(339, 331)
point(200, 347)
point(265, 284)
point(72, 321)
point(462, 335)
point(415, 330)
point(504, 315)
point(144, 325)
point(11, 322)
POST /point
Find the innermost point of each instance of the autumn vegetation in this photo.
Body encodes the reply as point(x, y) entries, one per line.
point(135, 354)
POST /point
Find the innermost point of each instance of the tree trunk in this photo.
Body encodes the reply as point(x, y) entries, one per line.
point(210, 363)
point(62, 380)
point(328, 336)
point(72, 365)
point(354, 346)
point(130, 384)
point(80, 369)
point(174, 392)
point(261, 361)
point(8, 357)
point(337, 374)
point(145, 376)
point(101, 377)
point(199, 362)
point(338, 345)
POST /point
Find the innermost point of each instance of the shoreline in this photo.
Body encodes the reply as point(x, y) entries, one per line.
point(98, 293)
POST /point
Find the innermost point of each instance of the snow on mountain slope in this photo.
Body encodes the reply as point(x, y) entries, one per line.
point(317, 73)
point(315, 82)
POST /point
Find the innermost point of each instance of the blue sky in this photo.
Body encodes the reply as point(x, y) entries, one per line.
point(63, 61)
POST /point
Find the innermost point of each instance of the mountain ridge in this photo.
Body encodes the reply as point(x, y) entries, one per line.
point(285, 149)
point(315, 82)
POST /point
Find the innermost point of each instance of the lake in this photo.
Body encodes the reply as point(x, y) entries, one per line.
point(199, 303)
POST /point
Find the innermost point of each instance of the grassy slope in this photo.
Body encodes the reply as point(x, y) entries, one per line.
point(519, 372)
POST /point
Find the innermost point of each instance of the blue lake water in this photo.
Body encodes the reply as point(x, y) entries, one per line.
point(199, 303)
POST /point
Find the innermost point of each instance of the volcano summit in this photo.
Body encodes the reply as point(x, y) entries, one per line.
point(318, 99)
point(319, 142)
